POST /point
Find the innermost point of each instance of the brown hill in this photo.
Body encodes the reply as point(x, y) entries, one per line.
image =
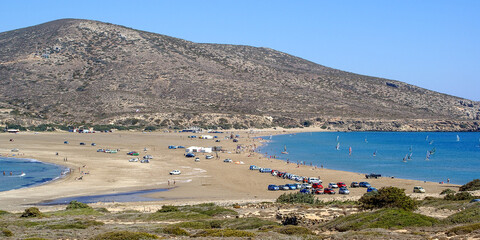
point(73, 70)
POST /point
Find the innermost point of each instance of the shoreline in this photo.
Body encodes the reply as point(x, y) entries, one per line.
point(204, 181)
point(65, 171)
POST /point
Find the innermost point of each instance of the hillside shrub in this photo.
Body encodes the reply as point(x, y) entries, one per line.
point(168, 208)
point(224, 233)
point(124, 235)
point(175, 231)
point(150, 128)
point(2, 212)
point(384, 218)
point(458, 196)
point(469, 215)
point(31, 212)
point(294, 230)
point(7, 233)
point(77, 205)
point(464, 229)
point(297, 198)
point(471, 186)
point(388, 197)
point(77, 224)
point(447, 191)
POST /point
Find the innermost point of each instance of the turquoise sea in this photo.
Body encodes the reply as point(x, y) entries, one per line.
point(426, 156)
point(21, 173)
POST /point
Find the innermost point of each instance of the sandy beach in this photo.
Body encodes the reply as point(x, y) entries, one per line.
point(210, 180)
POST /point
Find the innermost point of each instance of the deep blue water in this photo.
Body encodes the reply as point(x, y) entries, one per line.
point(135, 196)
point(35, 173)
point(458, 161)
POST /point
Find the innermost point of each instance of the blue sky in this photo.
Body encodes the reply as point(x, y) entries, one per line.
point(431, 44)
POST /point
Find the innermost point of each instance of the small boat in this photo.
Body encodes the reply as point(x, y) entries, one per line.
point(458, 138)
point(21, 175)
point(431, 142)
point(375, 153)
point(350, 151)
point(405, 158)
point(433, 151)
point(284, 150)
point(338, 146)
point(338, 137)
point(410, 156)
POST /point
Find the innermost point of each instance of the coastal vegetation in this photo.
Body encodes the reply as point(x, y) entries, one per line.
point(388, 197)
point(471, 186)
point(213, 221)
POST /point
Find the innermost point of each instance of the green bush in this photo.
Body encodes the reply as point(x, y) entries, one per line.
point(77, 224)
point(168, 208)
point(175, 231)
point(77, 205)
point(469, 215)
point(150, 128)
point(224, 233)
point(3, 212)
point(384, 218)
point(447, 191)
point(388, 197)
point(35, 238)
point(464, 229)
point(297, 198)
point(294, 230)
point(124, 235)
point(31, 212)
point(7, 233)
point(458, 196)
point(471, 186)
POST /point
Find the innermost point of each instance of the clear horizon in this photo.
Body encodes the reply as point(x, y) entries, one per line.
point(431, 44)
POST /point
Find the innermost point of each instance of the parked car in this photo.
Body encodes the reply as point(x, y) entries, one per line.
point(341, 184)
point(265, 170)
point(65, 142)
point(304, 190)
point(364, 184)
point(332, 185)
point(291, 186)
point(228, 160)
point(372, 189)
point(133, 153)
point(82, 143)
point(189, 155)
point(418, 189)
point(172, 147)
point(94, 144)
point(317, 191)
point(306, 185)
point(297, 185)
point(283, 187)
point(175, 172)
point(328, 191)
point(317, 185)
point(180, 147)
point(197, 159)
point(314, 180)
point(253, 167)
point(354, 185)
point(344, 190)
point(209, 157)
point(273, 187)
point(373, 175)
point(100, 150)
